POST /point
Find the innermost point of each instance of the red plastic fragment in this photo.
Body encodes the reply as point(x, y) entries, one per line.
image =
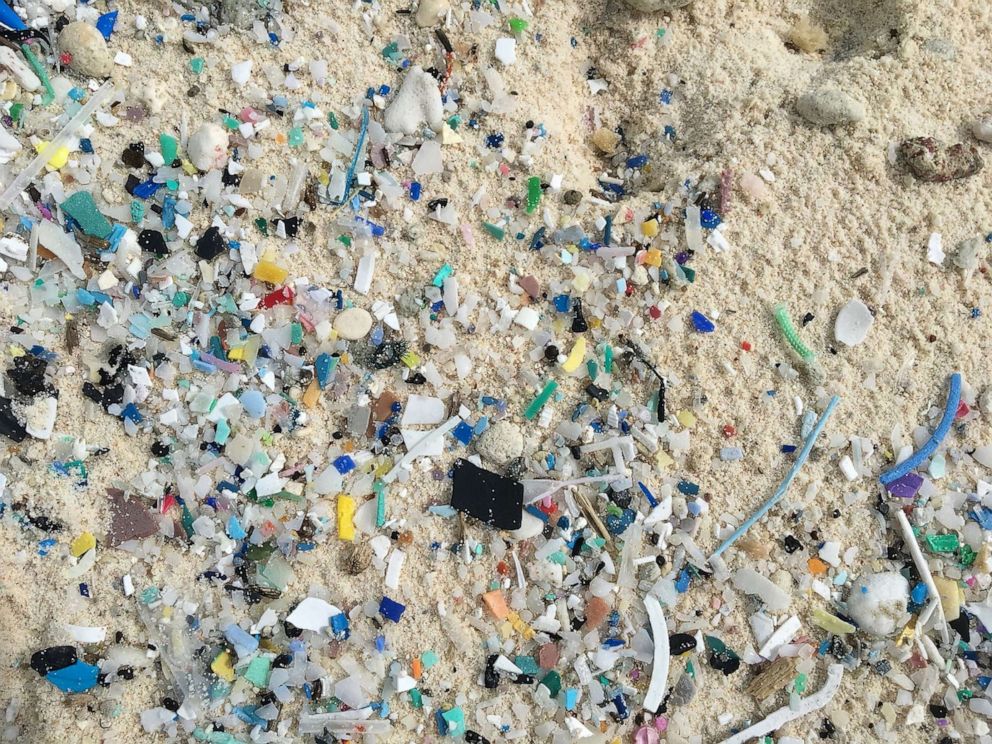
point(282, 296)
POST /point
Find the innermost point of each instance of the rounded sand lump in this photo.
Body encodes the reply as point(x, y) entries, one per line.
point(501, 442)
point(829, 106)
point(877, 603)
point(88, 49)
point(207, 146)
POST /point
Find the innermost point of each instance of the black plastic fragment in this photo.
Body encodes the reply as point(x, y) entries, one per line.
point(211, 244)
point(487, 496)
point(52, 658)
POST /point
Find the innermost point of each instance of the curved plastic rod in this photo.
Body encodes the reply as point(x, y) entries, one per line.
point(662, 655)
point(917, 458)
point(785, 714)
point(786, 482)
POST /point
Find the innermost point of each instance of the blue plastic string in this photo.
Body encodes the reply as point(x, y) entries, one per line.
point(784, 485)
point(924, 452)
point(355, 157)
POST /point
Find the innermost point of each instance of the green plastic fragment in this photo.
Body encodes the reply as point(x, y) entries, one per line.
point(277, 573)
point(179, 299)
point(443, 273)
point(15, 112)
point(39, 70)
point(231, 123)
point(495, 230)
point(345, 240)
point(454, 720)
point(149, 595)
point(137, 211)
point(690, 274)
point(966, 556)
point(942, 543)
point(379, 488)
point(800, 683)
point(527, 664)
point(187, 520)
point(552, 680)
point(965, 694)
point(416, 699)
point(429, 659)
point(518, 25)
point(296, 333)
point(392, 52)
point(81, 207)
point(454, 121)
point(608, 359)
point(539, 402)
point(262, 225)
point(196, 65)
point(295, 137)
point(169, 146)
point(222, 432)
point(258, 671)
point(533, 193)
point(592, 368)
point(332, 120)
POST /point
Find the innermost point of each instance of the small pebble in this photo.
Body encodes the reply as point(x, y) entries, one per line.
point(207, 147)
point(501, 442)
point(877, 603)
point(982, 128)
point(431, 12)
point(829, 106)
point(353, 323)
point(418, 101)
point(87, 48)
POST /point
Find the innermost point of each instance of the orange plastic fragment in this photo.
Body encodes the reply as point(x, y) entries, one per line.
point(496, 604)
point(816, 566)
point(417, 668)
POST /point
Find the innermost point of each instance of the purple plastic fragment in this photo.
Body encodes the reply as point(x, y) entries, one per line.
point(906, 487)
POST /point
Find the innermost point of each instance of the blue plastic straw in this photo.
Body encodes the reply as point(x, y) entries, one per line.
point(950, 411)
point(10, 19)
point(784, 485)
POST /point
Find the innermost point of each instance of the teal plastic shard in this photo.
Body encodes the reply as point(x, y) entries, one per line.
point(81, 207)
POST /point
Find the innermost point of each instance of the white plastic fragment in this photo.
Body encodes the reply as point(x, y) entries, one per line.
point(693, 228)
point(662, 655)
point(853, 323)
point(935, 251)
point(785, 633)
point(53, 238)
point(506, 50)
point(40, 417)
point(421, 410)
point(241, 72)
point(86, 633)
point(312, 613)
point(751, 582)
point(428, 159)
point(415, 452)
point(22, 74)
point(835, 673)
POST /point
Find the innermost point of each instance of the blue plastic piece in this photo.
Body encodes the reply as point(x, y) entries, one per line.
point(234, 529)
point(105, 24)
point(323, 368)
point(648, 495)
point(254, 403)
point(78, 677)
point(701, 323)
point(146, 189)
point(391, 609)
point(637, 161)
point(244, 643)
point(132, 414)
point(339, 625)
point(415, 191)
point(462, 432)
point(562, 303)
point(688, 487)
point(709, 219)
point(344, 464)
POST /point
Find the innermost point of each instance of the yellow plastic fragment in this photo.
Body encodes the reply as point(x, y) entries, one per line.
point(686, 418)
point(581, 281)
point(650, 228)
point(410, 359)
point(575, 356)
point(16, 351)
point(908, 633)
point(267, 271)
point(653, 257)
point(189, 169)
point(236, 354)
point(831, 623)
point(312, 394)
point(82, 544)
point(346, 515)
point(58, 159)
point(222, 667)
point(950, 597)
point(663, 460)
